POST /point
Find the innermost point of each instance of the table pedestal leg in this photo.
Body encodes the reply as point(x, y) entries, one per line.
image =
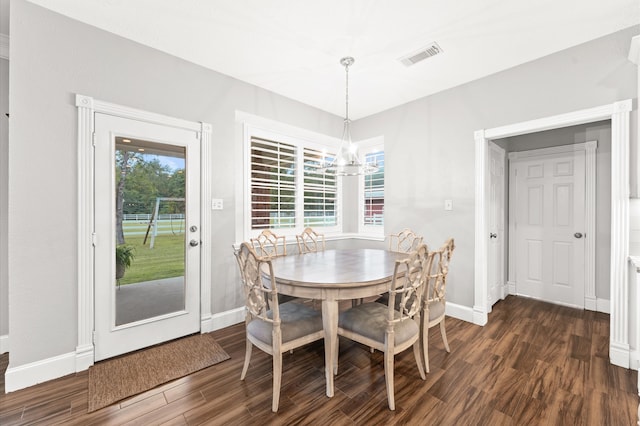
point(330, 324)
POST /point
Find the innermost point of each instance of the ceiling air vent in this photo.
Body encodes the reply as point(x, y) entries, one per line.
point(422, 54)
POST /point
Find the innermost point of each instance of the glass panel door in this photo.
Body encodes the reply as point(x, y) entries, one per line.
point(147, 236)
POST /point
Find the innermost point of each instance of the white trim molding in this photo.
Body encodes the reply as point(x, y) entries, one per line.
point(206, 323)
point(227, 318)
point(618, 113)
point(634, 56)
point(26, 375)
point(87, 107)
point(23, 376)
point(461, 312)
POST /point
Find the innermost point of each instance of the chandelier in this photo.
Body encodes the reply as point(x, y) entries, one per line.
point(347, 162)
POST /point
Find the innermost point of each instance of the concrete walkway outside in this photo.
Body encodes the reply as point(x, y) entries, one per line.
point(135, 302)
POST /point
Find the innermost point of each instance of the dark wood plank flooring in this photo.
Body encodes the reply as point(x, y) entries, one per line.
point(534, 363)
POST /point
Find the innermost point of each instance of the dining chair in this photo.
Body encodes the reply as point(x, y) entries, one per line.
point(404, 241)
point(434, 297)
point(269, 244)
point(270, 326)
point(309, 241)
point(385, 328)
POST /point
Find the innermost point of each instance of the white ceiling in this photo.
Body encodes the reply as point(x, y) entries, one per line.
point(293, 47)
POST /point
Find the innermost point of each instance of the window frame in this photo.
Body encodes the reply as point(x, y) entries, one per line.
point(259, 127)
point(369, 146)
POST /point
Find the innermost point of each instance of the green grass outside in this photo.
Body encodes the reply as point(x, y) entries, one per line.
point(164, 260)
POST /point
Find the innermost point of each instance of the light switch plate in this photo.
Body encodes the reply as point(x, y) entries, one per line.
point(216, 204)
point(448, 204)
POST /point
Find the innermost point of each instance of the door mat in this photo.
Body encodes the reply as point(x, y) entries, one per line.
point(131, 374)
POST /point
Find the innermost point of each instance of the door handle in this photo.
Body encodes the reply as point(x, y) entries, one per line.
point(493, 235)
point(194, 243)
point(578, 235)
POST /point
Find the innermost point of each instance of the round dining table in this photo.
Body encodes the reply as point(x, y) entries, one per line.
point(331, 276)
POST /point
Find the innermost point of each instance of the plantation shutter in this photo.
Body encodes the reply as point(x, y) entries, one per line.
point(320, 191)
point(374, 191)
point(273, 184)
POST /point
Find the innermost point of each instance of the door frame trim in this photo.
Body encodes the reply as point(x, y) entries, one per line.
point(619, 114)
point(87, 107)
point(589, 301)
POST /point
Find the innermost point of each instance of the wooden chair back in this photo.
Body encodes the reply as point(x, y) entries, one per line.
point(268, 244)
point(438, 270)
point(407, 286)
point(404, 241)
point(310, 241)
point(260, 292)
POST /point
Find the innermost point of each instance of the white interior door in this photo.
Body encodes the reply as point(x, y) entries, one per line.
point(550, 227)
point(147, 197)
point(496, 264)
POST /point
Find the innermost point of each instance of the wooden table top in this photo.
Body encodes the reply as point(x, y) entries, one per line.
point(336, 268)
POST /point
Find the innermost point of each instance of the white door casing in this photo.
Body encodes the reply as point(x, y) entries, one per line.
point(87, 107)
point(547, 215)
point(618, 113)
point(496, 224)
point(111, 339)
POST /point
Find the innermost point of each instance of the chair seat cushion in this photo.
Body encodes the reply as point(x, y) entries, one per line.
point(296, 320)
point(370, 320)
point(436, 310)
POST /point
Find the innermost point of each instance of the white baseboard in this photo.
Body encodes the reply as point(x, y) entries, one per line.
point(619, 355)
point(227, 318)
point(603, 305)
point(4, 343)
point(480, 317)
point(460, 312)
point(591, 304)
point(85, 355)
point(206, 324)
point(634, 356)
point(33, 373)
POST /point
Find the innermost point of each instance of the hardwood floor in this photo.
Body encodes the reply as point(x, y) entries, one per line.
point(533, 363)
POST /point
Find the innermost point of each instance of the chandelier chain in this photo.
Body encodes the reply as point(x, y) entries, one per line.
point(346, 106)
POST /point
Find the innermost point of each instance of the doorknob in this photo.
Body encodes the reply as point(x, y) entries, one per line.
point(578, 235)
point(493, 235)
point(194, 243)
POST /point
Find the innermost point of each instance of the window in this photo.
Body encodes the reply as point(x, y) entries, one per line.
point(273, 184)
point(285, 188)
point(320, 192)
point(374, 191)
point(371, 193)
point(281, 187)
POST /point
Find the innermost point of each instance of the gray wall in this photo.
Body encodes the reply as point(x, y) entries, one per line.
point(52, 59)
point(429, 150)
point(600, 132)
point(429, 144)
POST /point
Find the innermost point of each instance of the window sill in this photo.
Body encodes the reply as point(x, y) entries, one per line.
point(355, 236)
